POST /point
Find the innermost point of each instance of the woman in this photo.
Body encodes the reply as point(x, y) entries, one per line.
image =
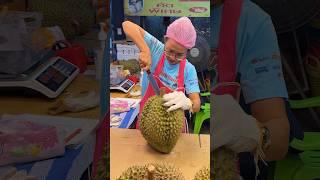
point(168, 64)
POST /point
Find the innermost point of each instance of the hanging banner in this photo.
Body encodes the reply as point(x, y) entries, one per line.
point(190, 8)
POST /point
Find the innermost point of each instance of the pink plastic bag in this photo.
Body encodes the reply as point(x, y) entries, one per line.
point(118, 106)
point(24, 141)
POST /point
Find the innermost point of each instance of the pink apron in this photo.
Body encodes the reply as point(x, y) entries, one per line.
point(226, 63)
point(150, 92)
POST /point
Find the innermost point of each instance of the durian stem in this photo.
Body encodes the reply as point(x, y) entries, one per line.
point(151, 170)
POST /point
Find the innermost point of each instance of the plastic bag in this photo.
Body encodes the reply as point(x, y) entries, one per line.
point(17, 50)
point(24, 141)
point(76, 102)
point(118, 106)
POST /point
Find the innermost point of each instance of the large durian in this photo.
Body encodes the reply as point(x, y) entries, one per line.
point(160, 128)
point(155, 171)
point(202, 174)
point(224, 164)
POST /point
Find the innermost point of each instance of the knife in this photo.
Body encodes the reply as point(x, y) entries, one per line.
point(153, 83)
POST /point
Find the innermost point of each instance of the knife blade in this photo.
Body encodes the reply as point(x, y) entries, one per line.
point(153, 83)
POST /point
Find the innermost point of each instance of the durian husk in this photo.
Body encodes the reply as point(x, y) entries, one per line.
point(202, 174)
point(224, 164)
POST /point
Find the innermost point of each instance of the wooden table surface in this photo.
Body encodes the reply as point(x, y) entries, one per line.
point(128, 147)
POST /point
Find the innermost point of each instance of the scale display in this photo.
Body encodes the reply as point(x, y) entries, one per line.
point(125, 86)
point(49, 78)
point(54, 76)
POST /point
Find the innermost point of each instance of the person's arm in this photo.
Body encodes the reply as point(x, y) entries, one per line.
point(272, 114)
point(263, 86)
point(196, 103)
point(136, 34)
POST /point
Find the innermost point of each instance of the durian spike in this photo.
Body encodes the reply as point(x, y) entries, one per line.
point(162, 91)
point(151, 170)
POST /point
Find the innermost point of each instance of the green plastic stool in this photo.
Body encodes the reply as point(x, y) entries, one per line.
point(300, 166)
point(292, 168)
point(305, 103)
point(310, 142)
point(200, 117)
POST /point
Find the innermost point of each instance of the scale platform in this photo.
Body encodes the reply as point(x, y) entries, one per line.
point(124, 86)
point(50, 77)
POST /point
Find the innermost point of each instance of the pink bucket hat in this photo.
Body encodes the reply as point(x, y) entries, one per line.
point(182, 31)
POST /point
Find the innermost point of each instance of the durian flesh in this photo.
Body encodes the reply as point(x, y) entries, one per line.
point(155, 171)
point(224, 164)
point(160, 128)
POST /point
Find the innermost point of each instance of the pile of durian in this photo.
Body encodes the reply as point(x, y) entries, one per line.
point(131, 64)
point(160, 171)
point(223, 167)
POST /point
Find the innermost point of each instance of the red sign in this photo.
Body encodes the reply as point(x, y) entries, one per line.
point(198, 9)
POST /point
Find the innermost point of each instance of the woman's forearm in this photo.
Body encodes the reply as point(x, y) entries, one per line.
point(136, 34)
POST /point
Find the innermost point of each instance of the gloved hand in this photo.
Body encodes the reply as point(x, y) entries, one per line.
point(176, 100)
point(231, 126)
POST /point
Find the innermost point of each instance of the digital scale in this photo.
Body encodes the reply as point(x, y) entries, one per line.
point(124, 86)
point(50, 77)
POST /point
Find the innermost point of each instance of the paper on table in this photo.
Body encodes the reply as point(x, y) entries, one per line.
point(132, 102)
point(126, 52)
point(67, 123)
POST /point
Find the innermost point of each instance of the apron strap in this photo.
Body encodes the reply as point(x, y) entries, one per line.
point(181, 75)
point(180, 78)
point(160, 65)
point(226, 64)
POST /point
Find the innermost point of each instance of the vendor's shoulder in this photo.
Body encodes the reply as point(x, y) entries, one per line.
point(253, 11)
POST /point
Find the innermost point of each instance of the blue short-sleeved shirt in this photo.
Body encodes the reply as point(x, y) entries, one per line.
point(258, 56)
point(169, 74)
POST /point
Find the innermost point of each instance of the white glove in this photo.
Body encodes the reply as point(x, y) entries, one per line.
point(176, 100)
point(231, 126)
